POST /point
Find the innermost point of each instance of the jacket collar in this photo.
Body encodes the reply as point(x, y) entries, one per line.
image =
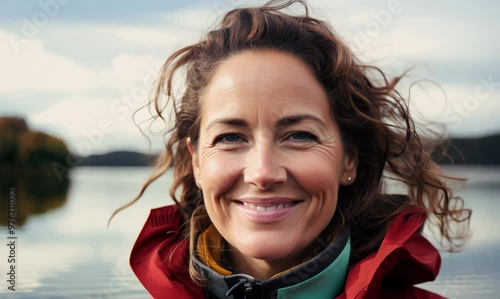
point(320, 277)
point(404, 258)
point(159, 257)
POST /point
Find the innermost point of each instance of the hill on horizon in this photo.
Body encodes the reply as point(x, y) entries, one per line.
point(474, 151)
point(119, 158)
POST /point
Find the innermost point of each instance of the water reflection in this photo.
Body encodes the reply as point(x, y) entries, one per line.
point(39, 190)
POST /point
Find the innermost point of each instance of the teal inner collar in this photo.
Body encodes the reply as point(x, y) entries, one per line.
point(322, 277)
point(327, 284)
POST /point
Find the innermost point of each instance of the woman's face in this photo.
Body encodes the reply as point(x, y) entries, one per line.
point(270, 158)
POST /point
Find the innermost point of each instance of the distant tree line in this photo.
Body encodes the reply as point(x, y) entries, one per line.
point(473, 151)
point(21, 147)
point(29, 163)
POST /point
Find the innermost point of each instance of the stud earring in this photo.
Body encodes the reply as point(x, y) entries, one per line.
point(349, 179)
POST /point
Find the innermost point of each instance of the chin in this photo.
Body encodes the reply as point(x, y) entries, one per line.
point(270, 250)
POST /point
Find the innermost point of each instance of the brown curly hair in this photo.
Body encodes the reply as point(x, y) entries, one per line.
point(372, 116)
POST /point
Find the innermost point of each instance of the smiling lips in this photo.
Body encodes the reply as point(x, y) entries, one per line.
point(267, 210)
point(270, 208)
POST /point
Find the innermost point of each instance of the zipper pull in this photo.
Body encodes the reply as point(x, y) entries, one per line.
point(245, 286)
point(236, 286)
point(248, 290)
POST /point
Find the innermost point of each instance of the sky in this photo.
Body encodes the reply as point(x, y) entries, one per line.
point(82, 70)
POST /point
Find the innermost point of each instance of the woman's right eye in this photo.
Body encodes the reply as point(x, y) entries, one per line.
point(228, 138)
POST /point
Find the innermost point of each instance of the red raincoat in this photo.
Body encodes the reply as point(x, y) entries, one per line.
point(160, 255)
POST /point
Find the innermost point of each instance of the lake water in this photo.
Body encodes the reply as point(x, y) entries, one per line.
point(63, 249)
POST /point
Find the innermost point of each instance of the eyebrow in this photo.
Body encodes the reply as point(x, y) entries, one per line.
point(283, 122)
point(235, 122)
point(294, 119)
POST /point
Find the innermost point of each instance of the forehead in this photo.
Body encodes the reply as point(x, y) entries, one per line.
point(267, 78)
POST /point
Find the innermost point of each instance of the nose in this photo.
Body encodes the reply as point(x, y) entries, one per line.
point(264, 167)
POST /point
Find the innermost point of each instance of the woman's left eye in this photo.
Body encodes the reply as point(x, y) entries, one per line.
point(228, 138)
point(301, 136)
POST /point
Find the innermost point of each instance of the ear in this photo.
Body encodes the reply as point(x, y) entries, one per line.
point(350, 166)
point(194, 162)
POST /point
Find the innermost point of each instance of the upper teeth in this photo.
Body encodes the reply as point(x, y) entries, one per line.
point(261, 208)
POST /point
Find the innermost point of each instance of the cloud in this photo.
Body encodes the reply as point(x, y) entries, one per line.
point(412, 33)
point(33, 68)
point(464, 109)
point(111, 40)
point(199, 19)
point(92, 125)
point(80, 119)
point(128, 70)
point(130, 54)
point(425, 39)
point(151, 37)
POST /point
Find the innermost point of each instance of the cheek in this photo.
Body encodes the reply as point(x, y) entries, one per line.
point(320, 181)
point(219, 172)
point(317, 173)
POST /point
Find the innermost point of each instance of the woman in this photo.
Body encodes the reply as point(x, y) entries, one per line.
point(281, 144)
